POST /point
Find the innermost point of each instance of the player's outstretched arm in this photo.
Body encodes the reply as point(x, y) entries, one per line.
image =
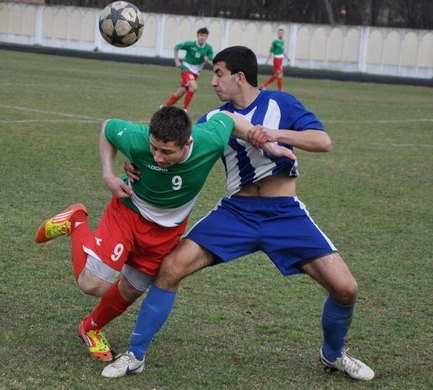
point(308, 140)
point(108, 154)
point(242, 130)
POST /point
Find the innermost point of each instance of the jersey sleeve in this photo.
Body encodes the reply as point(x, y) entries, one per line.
point(123, 135)
point(210, 53)
point(218, 129)
point(183, 45)
point(294, 115)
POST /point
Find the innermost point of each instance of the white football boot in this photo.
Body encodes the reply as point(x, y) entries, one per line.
point(125, 364)
point(349, 365)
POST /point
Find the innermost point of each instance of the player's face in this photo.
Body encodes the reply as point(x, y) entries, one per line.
point(280, 34)
point(201, 39)
point(169, 153)
point(225, 84)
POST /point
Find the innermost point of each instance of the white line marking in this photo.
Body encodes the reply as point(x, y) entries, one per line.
point(49, 112)
point(381, 120)
point(51, 121)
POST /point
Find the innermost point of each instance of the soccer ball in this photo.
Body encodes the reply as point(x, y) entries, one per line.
point(121, 24)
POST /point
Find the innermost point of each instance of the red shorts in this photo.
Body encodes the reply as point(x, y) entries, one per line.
point(278, 64)
point(186, 77)
point(124, 236)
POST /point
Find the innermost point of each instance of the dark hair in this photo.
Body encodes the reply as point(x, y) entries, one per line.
point(171, 124)
point(240, 59)
point(203, 30)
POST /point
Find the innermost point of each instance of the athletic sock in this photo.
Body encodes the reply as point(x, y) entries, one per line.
point(110, 306)
point(171, 100)
point(336, 319)
point(188, 97)
point(154, 312)
point(280, 83)
point(80, 229)
point(269, 81)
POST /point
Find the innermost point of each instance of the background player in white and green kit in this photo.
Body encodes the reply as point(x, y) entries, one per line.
point(278, 53)
point(197, 54)
point(144, 220)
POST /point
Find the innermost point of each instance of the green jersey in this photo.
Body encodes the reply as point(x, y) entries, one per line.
point(194, 58)
point(167, 195)
point(277, 48)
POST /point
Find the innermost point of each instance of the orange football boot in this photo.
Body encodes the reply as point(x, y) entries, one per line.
point(59, 225)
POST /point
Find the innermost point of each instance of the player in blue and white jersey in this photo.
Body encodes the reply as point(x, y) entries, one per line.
point(261, 212)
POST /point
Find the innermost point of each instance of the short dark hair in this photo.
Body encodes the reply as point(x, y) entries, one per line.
point(240, 59)
point(203, 30)
point(171, 124)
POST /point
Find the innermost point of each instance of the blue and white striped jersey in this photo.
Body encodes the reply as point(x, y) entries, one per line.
point(243, 163)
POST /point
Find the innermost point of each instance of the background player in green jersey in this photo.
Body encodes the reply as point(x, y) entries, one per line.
point(277, 50)
point(144, 220)
point(197, 54)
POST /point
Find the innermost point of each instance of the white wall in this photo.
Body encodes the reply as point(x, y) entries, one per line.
point(384, 51)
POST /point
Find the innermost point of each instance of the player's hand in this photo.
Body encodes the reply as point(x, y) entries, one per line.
point(178, 63)
point(118, 187)
point(259, 134)
point(132, 171)
point(276, 150)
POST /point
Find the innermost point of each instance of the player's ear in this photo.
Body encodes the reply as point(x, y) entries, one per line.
point(241, 77)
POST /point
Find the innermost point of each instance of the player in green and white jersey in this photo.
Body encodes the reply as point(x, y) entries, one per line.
point(197, 54)
point(277, 51)
point(144, 220)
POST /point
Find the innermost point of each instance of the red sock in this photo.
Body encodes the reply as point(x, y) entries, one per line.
point(80, 229)
point(110, 306)
point(269, 81)
point(171, 100)
point(187, 100)
point(280, 84)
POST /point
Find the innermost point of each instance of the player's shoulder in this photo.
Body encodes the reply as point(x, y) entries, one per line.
point(208, 115)
point(122, 125)
point(279, 96)
point(184, 44)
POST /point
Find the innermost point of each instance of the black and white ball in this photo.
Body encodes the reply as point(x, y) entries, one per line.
point(121, 24)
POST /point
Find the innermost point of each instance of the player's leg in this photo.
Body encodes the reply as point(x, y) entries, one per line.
point(107, 249)
point(73, 221)
point(294, 243)
point(113, 304)
point(192, 88)
point(334, 275)
point(187, 258)
point(232, 237)
point(269, 81)
point(280, 80)
point(173, 99)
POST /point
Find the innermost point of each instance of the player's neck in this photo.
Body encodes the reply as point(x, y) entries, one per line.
point(246, 97)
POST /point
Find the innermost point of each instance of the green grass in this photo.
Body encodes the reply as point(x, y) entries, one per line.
point(238, 326)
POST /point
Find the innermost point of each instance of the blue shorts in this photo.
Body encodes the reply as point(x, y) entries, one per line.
point(280, 227)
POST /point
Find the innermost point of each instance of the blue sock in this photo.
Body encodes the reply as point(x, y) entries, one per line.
point(154, 312)
point(336, 319)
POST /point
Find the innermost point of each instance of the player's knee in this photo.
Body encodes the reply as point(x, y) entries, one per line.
point(346, 292)
point(171, 273)
point(192, 85)
point(128, 292)
point(92, 285)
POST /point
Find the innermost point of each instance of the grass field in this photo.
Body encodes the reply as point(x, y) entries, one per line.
point(238, 326)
